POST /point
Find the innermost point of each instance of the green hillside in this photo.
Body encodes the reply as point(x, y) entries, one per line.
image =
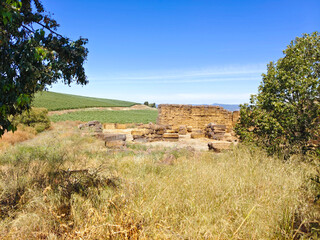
point(59, 101)
point(132, 116)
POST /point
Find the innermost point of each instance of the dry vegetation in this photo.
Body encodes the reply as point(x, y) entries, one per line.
point(63, 185)
point(23, 133)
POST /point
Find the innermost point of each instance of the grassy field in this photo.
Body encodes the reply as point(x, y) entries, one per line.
point(108, 116)
point(58, 101)
point(63, 185)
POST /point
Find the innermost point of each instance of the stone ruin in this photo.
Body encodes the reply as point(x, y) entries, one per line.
point(174, 121)
point(154, 132)
point(111, 140)
point(197, 117)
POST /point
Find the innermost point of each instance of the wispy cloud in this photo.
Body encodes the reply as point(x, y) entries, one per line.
point(213, 74)
point(194, 98)
point(190, 86)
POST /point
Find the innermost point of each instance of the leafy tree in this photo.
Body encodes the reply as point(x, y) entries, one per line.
point(146, 103)
point(153, 105)
point(33, 56)
point(284, 116)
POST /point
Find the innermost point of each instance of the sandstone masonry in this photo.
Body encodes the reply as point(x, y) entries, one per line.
point(196, 116)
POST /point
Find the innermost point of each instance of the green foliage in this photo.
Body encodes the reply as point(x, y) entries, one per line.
point(130, 116)
point(153, 105)
point(284, 116)
point(58, 101)
point(32, 56)
point(35, 117)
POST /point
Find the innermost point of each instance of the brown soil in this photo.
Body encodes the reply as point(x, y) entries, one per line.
point(134, 107)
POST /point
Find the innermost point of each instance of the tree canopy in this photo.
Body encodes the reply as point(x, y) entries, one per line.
point(284, 116)
point(33, 56)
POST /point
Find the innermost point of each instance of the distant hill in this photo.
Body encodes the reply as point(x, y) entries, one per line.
point(230, 107)
point(60, 101)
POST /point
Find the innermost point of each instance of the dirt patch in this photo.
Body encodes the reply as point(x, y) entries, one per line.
point(200, 144)
point(134, 107)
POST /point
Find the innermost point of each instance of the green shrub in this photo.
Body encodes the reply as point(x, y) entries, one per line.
point(284, 116)
point(35, 117)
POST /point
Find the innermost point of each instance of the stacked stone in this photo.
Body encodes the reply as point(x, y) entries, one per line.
point(183, 130)
point(114, 140)
point(149, 133)
point(196, 116)
point(111, 140)
point(215, 131)
point(171, 137)
point(140, 135)
point(197, 133)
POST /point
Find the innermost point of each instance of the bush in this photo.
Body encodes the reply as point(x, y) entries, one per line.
point(153, 105)
point(35, 117)
point(284, 116)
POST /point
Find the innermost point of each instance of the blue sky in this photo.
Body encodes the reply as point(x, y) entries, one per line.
point(180, 51)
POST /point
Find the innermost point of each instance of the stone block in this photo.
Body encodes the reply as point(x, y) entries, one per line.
point(140, 132)
point(115, 144)
point(109, 126)
point(171, 135)
point(197, 131)
point(183, 132)
point(114, 137)
point(160, 131)
point(217, 126)
point(120, 126)
point(170, 131)
point(219, 146)
point(138, 136)
point(197, 135)
point(171, 139)
point(140, 140)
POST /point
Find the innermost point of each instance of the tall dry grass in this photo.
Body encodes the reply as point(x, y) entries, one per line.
point(62, 185)
point(23, 133)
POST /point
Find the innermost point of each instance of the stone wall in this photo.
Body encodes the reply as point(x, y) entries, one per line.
point(196, 116)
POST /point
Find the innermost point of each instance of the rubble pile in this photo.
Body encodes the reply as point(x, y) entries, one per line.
point(111, 140)
point(215, 131)
point(152, 132)
point(94, 126)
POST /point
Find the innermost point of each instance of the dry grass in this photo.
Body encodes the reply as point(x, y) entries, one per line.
point(138, 193)
point(23, 133)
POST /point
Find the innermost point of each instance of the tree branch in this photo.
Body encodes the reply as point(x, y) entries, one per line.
point(27, 28)
point(49, 29)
